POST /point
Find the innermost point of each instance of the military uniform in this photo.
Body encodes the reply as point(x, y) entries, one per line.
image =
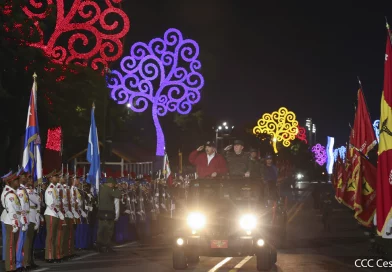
point(52, 216)
point(23, 244)
point(10, 218)
point(238, 164)
point(108, 212)
point(69, 219)
point(35, 219)
point(59, 254)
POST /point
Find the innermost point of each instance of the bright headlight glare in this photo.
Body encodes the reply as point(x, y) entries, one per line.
point(196, 221)
point(248, 222)
point(299, 176)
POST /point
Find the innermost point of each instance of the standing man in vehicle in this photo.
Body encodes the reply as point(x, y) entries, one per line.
point(270, 177)
point(238, 161)
point(255, 170)
point(208, 163)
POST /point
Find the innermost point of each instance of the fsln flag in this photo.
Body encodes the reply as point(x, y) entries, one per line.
point(93, 154)
point(384, 167)
point(362, 141)
point(31, 162)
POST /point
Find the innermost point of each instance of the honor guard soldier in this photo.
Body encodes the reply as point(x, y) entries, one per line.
point(3, 212)
point(108, 212)
point(77, 204)
point(23, 244)
point(52, 216)
point(35, 219)
point(10, 217)
point(62, 200)
point(68, 230)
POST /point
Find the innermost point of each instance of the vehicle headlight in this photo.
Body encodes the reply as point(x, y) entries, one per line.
point(196, 221)
point(248, 222)
point(299, 176)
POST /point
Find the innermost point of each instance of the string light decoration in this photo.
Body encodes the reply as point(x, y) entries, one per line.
point(54, 139)
point(281, 125)
point(96, 49)
point(302, 134)
point(165, 73)
point(341, 151)
point(320, 154)
point(376, 127)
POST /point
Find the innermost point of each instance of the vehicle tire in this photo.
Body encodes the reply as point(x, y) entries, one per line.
point(179, 260)
point(264, 260)
point(274, 256)
point(193, 258)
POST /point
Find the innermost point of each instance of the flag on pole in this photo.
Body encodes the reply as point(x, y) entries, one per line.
point(31, 162)
point(363, 140)
point(384, 168)
point(93, 154)
point(166, 169)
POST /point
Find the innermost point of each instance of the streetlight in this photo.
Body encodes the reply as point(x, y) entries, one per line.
point(224, 127)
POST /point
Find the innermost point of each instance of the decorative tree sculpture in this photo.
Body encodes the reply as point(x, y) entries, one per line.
point(302, 134)
point(54, 139)
point(85, 27)
point(320, 154)
point(281, 125)
point(165, 73)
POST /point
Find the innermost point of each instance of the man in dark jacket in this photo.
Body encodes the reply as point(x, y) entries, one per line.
point(270, 177)
point(238, 161)
point(208, 163)
point(255, 165)
point(107, 214)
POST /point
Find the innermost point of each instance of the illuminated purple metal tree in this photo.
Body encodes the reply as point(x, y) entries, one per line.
point(320, 154)
point(165, 73)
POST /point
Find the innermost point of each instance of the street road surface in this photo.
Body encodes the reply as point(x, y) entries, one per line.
point(309, 248)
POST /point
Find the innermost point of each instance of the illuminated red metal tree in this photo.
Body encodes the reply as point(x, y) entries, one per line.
point(302, 134)
point(83, 33)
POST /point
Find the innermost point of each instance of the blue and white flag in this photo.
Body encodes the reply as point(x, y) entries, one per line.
point(32, 162)
point(93, 154)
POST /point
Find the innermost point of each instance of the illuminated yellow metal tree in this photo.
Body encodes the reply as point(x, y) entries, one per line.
point(281, 125)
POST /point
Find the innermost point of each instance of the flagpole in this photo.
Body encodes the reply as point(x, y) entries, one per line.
point(389, 32)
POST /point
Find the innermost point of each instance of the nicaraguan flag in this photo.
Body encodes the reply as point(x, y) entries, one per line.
point(32, 162)
point(93, 154)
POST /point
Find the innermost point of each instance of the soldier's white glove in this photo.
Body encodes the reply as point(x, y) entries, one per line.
point(36, 225)
point(15, 226)
point(37, 218)
point(25, 227)
point(61, 215)
point(75, 215)
point(127, 212)
point(90, 208)
point(116, 219)
point(41, 218)
point(69, 214)
point(83, 213)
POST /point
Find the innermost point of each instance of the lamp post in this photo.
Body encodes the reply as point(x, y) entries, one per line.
point(224, 127)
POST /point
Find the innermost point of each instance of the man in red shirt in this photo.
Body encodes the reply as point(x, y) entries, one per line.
point(208, 163)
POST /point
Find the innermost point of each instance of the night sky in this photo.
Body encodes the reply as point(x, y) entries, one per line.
point(257, 56)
